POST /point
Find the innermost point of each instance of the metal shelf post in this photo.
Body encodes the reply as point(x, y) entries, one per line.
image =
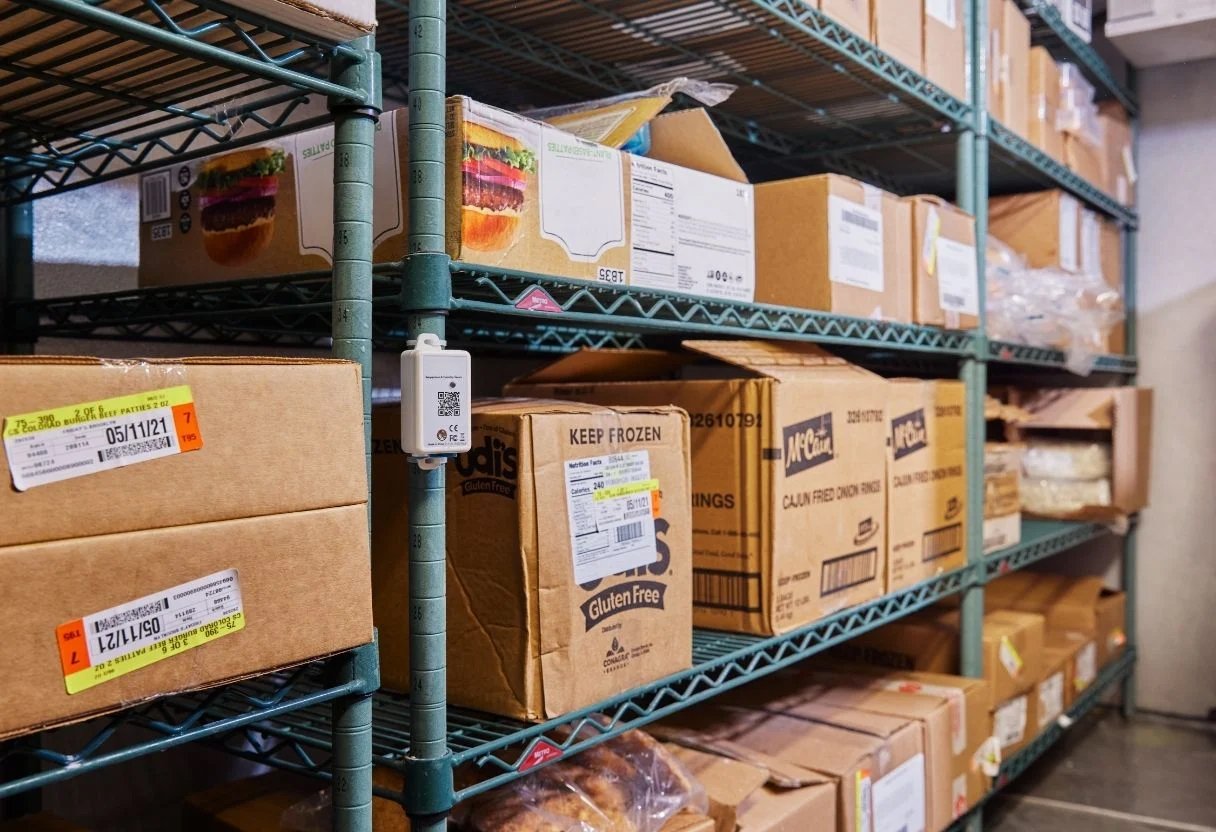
point(354, 138)
point(1128, 572)
point(17, 260)
point(426, 298)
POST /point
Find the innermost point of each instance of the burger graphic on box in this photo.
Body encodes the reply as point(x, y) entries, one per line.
point(495, 170)
point(237, 199)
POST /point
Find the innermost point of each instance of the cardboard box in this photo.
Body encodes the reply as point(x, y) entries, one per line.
point(945, 46)
point(1015, 67)
point(855, 14)
point(996, 60)
point(1081, 664)
point(549, 608)
point(249, 414)
point(264, 210)
point(1085, 159)
point(1002, 503)
point(749, 791)
point(789, 471)
point(897, 28)
point(831, 243)
point(689, 822)
point(1124, 412)
point(525, 195)
point(926, 480)
point(945, 288)
point(1120, 163)
point(1013, 723)
point(1043, 129)
point(1042, 226)
point(1051, 692)
point(305, 573)
point(259, 804)
point(1111, 256)
point(1078, 15)
point(334, 20)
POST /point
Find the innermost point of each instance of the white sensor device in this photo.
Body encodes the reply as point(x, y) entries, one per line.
point(435, 399)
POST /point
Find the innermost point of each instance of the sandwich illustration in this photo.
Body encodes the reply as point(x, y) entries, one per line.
point(495, 169)
point(237, 196)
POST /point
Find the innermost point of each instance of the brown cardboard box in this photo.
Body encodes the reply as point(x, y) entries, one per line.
point(285, 219)
point(689, 822)
point(831, 243)
point(258, 804)
point(251, 414)
point(996, 60)
point(1002, 503)
point(855, 14)
point(41, 822)
point(926, 480)
point(1111, 255)
point(1119, 179)
point(304, 573)
point(945, 46)
point(897, 28)
point(1051, 692)
point(1043, 130)
point(1013, 722)
point(680, 219)
point(1112, 624)
point(1042, 226)
point(750, 791)
point(1081, 666)
point(536, 628)
point(1085, 159)
point(1126, 412)
point(1015, 67)
point(797, 536)
point(335, 20)
point(944, 283)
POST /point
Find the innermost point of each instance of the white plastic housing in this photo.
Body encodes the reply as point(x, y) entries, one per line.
point(435, 399)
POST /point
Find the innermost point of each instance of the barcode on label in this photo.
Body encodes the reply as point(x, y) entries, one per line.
point(726, 590)
point(100, 625)
point(937, 543)
point(848, 571)
point(134, 449)
point(859, 219)
point(629, 531)
point(154, 197)
point(950, 301)
point(449, 402)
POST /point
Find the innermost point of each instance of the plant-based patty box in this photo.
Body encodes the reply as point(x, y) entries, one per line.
point(569, 554)
point(788, 467)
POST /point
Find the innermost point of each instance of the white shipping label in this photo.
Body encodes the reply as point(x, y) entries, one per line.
point(313, 157)
point(130, 636)
point(944, 11)
point(1051, 698)
point(712, 233)
point(899, 798)
point(854, 244)
point(1069, 209)
point(62, 443)
point(582, 208)
point(1091, 244)
point(610, 505)
point(957, 277)
point(958, 796)
point(1085, 669)
point(1009, 724)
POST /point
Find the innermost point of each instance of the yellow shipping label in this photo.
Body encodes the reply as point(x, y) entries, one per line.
point(120, 640)
point(1009, 657)
point(62, 443)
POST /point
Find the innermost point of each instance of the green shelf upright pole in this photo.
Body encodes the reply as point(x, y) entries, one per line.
point(426, 296)
point(354, 138)
point(1128, 581)
point(17, 260)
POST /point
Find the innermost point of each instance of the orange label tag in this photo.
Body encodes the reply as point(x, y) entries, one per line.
point(73, 652)
point(656, 500)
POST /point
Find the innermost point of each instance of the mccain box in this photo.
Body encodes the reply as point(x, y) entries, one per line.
point(522, 194)
point(568, 551)
point(788, 466)
point(263, 210)
point(926, 480)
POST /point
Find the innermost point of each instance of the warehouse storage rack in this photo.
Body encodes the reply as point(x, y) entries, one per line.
point(812, 97)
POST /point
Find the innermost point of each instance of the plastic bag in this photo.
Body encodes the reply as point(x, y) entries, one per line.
point(1050, 497)
point(1064, 460)
point(630, 783)
point(312, 814)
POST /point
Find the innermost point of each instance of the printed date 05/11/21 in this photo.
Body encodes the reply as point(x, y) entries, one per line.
point(129, 634)
point(134, 431)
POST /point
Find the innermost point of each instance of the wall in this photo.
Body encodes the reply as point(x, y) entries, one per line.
point(1177, 342)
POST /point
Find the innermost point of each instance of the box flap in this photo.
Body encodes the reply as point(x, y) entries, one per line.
point(779, 360)
point(727, 780)
point(1076, 409)
point(688, 138)
point(606, 365)
point(711, 737)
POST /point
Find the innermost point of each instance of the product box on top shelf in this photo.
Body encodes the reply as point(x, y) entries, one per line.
point(1009, 65)
point(1086, 158)
point(926, 480)
point(334, 20)
point(945, 46)
point(239, 558)
point(897, 28)
point(831, 243)
point(568, 554)
point(1087, 451)
point(788, 467)
point(524, 195)
point(1002, 495)
point(263, 210)
point(945, 285)
point(1120, 163)
point(1043, 128)
point(1044, 227)
point(853, 14)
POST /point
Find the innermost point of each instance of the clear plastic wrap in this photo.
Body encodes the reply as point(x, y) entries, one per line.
point(1061, 459)
point(1050, 497)
point(629, 784)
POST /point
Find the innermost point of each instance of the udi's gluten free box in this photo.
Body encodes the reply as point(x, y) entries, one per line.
point(926, 480)
point(211, 557)
point(569, 556)
point(788, 466)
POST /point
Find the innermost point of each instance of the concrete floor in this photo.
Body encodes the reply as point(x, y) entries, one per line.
point(1110, 775)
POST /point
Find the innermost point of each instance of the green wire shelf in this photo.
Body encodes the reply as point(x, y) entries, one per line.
point(91, 90)
point(1041, 539)
point(1023, 355)
point(227, 712)
point(1016, 765)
